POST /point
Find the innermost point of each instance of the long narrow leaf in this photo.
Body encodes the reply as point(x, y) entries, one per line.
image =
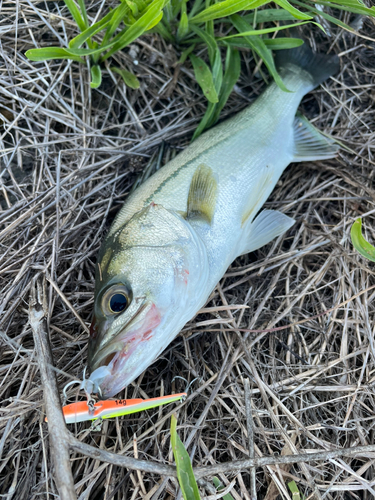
point(208, 39)
point(258, 45)
point(226, 8)
point(73, 9)
point(359, 242)
point(79, 40)
point(268, 15)
point(204, 78)
point(138, 28)
point(185, 474)
point(231, 76)
point(295, 12)
point(47, 53)
point(130, 80)
point(96, 77)
point(252, 32)
point(325, 16)
point(354, 6)
point(206, 120)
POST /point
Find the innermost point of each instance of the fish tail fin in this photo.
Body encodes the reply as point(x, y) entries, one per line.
point(318, 66)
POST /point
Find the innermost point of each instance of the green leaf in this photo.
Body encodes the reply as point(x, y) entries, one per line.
point(73, 9)
point(130, 80)
point(231, 76)
point(295, 12)
point(294, 490)
point(355, 6)
point(252, 32)
point(82, 6)
point(79, 40)
point(359, 242)
point(204, 78)
point(183, 26)
point(117, 17)
point(208, 40)
point(163, 30)
point(226, 8)
point(145, 22)
point(219, 486)
point(48, 53)
point(88, 52)
point(185, 473)
point(217, 71)
point(268, 15)
point(96, 77)
point(258, 45)
point(283, 43)
point(186, 53)
point(324, 15)
point(206, 120)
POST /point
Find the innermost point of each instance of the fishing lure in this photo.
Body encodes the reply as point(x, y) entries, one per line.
point(83, 411)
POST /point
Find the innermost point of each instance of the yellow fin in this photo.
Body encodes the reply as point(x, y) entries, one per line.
point(202, 194)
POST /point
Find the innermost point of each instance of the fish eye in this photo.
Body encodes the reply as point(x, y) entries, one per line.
point(115, 299)
point(117, 302)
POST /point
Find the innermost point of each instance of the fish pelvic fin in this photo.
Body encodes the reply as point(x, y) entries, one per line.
point(202, 194)
point(309, 143)
point(319, 66)
point(264, 228)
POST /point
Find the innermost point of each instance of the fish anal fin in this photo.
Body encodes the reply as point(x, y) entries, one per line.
point(266, 226)
point(309, 143)
point(202, 194)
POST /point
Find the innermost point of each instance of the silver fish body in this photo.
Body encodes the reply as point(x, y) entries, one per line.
point(178, 232)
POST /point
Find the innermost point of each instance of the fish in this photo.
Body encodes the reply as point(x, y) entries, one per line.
point(178, 232)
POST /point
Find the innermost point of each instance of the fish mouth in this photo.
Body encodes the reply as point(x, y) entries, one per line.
point(139, 328)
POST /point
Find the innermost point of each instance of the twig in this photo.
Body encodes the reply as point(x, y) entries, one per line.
point(250, 437)
point(56, 424)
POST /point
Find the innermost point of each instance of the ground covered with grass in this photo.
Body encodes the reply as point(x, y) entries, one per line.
point(69, 157)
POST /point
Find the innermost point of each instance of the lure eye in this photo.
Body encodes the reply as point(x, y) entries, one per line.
point(118, 302)
point(115, 299)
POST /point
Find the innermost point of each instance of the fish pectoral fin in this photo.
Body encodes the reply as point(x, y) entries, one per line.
point(265, 227)
point(202, 194)
point(309, 143)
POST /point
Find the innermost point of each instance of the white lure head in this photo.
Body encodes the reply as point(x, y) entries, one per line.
point(150, 279)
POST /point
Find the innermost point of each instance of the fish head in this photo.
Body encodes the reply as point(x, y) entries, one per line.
point(147, 276)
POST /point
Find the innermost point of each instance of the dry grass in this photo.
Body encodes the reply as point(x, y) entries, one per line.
point(69, 156)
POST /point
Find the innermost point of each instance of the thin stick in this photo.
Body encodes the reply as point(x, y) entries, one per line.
point(56, 425)
point(250, 437)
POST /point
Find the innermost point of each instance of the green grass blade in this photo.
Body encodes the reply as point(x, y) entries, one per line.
point(354, 6)
point(294, 490)
point(73, 9)
point(292, 10)
point(79, 40)
point(88, 52)
point(258, 45)
point(231, 76)
point(217, 71)
point(208, 40)
point(265, 31)
point(185, 473)
point(226, 8)
point(359, 242)
point(206, 120)
point(324, 15)
point(82, 6)
point(130, 80)
point(283, 43)
point(219, 486)
point(204, 78)
point(47, 53)
point(118, 15)
point(186, 53)
point(96, 77)
point(268, 15)
point(164, 31)
point(145, 22)
point(183, 26)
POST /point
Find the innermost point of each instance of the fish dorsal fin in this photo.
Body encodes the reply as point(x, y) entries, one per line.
point(265, 227)
point(309, 143)
point(202, 194)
